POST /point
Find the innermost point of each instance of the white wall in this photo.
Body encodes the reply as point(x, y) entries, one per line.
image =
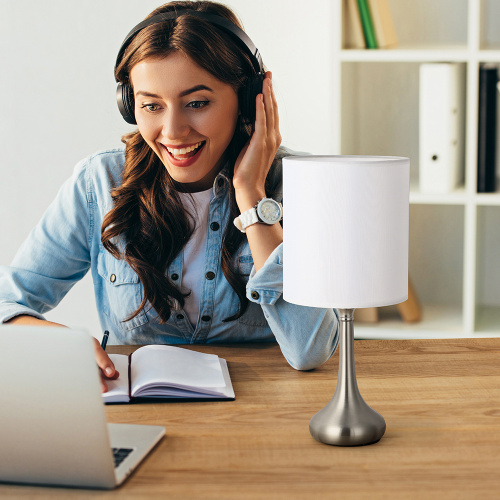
point(58, 106)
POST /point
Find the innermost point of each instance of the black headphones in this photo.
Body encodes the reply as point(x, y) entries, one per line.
point(247, 94)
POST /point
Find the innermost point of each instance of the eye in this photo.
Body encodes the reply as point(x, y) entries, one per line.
point(197, 104)
point(151, 108)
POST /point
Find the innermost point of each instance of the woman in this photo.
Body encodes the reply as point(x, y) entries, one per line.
point(181, 229)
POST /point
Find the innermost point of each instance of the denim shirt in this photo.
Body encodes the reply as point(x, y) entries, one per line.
point(66, 243)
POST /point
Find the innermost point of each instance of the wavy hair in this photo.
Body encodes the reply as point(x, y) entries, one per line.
point(147, 214)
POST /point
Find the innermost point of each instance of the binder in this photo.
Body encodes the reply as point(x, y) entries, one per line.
point(441, 127)
point(487, 129)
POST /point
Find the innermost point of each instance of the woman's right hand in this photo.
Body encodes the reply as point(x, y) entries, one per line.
point(106, 366)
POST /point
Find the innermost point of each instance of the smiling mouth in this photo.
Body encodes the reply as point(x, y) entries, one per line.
point(185, 153)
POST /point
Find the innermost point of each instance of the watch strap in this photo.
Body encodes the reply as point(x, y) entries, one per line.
point(246, 219)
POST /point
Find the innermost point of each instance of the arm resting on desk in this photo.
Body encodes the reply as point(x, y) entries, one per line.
point(308, 336)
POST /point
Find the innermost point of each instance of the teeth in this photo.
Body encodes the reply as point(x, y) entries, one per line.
point(183, 151)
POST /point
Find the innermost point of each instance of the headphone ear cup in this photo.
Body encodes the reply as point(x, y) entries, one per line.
point(126, 103)
point(247, 96)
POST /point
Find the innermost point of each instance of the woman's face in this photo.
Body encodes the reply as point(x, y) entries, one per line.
point(186, 115)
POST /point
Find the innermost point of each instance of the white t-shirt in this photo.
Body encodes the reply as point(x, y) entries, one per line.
point(194, 252)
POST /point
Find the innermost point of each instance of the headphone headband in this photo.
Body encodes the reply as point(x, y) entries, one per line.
point(214, 19)
point(246, 94)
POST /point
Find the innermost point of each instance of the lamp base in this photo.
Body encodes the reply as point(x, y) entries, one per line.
point(347, 420)
point(354, 425)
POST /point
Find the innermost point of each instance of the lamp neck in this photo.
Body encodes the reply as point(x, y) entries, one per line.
point(346, 314)
point(347, 387)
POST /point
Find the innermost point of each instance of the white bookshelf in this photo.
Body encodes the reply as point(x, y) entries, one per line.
point(454, 238)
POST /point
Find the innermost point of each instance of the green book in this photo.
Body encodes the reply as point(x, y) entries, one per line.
point(366, 22)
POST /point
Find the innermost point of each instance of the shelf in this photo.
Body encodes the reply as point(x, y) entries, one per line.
point(491, 55)
point(487, 199)
point(421, 53)
point(457, 197)
point(437, 322)
point(454, 244)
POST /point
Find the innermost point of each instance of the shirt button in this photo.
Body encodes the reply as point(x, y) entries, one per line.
point(210, 275)
point(180, 316)
point(175, 276)
point(214, 226)
point(112, 278)
point(206, 318)
point(255, 295)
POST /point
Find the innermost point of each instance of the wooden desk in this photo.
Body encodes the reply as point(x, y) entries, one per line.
point(440, 399)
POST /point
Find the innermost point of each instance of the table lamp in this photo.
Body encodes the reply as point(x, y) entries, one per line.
point(345, 245)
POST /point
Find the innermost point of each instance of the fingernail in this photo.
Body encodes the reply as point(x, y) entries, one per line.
point(109, 371)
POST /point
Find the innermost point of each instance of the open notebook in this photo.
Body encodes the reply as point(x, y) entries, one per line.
point(167, 372)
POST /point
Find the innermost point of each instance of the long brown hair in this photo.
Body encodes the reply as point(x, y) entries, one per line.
point(147, 214)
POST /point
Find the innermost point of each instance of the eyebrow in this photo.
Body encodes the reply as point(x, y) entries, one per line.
point(194, 89)
point(184, 93)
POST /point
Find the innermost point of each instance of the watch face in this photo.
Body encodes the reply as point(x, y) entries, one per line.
point(269, 211)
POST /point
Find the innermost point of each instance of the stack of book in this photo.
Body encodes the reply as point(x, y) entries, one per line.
point(369, 25)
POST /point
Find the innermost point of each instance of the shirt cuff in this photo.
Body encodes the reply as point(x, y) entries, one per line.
point(266, 285)
point(7, 312)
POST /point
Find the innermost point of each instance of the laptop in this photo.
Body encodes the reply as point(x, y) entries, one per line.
point(53, 428)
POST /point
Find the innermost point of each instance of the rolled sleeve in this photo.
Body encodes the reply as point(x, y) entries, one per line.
point(308, 336)
point(266, 285)
point(11, 310)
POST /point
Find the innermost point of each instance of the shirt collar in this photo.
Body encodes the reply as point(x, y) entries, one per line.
point(221, 182)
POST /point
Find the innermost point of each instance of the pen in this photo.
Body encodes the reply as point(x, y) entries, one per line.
point(105, 340)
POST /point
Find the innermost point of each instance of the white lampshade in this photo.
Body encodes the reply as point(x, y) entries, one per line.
point(345, 230)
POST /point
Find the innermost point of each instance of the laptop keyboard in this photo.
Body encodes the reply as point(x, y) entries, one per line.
point(120, 454)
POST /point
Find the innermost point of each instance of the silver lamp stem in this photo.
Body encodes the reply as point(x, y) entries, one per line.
point(347, 420)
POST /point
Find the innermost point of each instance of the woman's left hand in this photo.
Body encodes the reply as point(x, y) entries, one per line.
point(253, 163)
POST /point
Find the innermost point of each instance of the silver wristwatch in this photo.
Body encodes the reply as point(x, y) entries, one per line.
point(267, 211)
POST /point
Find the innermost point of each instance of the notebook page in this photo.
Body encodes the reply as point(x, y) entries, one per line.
point(176, 367)
point(118, 389)
point(206, 393)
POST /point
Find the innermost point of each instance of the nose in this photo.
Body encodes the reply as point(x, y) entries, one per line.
point(175, 125)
